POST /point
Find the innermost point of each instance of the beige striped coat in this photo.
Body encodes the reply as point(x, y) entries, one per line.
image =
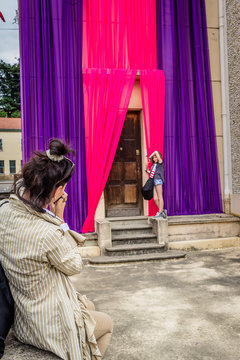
point(38, 258)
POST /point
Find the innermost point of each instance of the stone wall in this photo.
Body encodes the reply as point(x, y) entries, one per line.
point(233, 43)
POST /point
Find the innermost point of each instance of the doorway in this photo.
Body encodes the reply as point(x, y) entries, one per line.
point(123, 189)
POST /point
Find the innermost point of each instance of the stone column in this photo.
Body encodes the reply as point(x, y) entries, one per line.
point(103, 229)
point(160, 228)
point(232, 45)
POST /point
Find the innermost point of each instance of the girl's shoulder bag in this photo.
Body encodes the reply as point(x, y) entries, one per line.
point(147, 189)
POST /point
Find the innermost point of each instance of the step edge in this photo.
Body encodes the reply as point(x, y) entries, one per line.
point(133, 236)
point(133, 226)
point(134, 258)
point(135, 247)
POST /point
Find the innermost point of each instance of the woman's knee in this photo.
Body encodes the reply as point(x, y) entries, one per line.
point(90, 305)
point(110, 324)
point(104, 323)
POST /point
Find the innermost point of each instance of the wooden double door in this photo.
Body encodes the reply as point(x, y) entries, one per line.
point(123, 188)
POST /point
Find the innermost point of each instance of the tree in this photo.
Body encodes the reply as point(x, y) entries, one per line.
point(10, 88)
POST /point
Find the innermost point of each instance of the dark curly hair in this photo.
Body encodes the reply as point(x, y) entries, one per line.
point(40, 176)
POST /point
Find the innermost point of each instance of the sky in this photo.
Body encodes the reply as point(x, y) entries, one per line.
point(9, 35)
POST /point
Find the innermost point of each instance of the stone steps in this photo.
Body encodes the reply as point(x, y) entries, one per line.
point(126, 211)
point(131, 229)
point(129, 220)
point(126, 250)
point(109, 260)
point(136, 236)
point(131, 238)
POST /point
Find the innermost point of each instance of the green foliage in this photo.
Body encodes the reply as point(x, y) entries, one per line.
point(16, 114)
point(3, 113)
point(10, 89)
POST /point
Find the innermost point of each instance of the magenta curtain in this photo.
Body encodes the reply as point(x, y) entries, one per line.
point(119, 34)
point(153, 98)
point(106, 97)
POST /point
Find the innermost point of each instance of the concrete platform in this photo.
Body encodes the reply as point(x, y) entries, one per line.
point(187, 309)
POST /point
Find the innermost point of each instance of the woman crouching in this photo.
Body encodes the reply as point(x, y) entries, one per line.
point(38, 253)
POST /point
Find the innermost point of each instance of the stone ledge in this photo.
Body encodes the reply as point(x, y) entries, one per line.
point(205, 244)
point(91, 239)
point(88, 251)
point(15, 350)
point(201, 219)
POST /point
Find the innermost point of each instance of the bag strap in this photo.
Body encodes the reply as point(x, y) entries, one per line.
point(152, 172)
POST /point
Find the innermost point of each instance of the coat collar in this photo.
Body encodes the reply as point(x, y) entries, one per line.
point(21, 206)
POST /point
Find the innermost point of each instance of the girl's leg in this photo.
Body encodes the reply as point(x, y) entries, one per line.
point(160, 197)
point(103, 330)
point(155, 197)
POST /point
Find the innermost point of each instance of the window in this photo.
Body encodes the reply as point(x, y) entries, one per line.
point(12, 166)
point(1, 166)
point(1, 144)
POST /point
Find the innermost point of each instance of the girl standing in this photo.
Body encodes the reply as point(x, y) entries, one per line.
point(157, 172)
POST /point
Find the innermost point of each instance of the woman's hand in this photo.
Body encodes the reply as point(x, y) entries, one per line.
point(58, 206)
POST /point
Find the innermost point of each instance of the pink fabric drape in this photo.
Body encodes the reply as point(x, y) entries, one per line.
point(153, 98)
point(106, 97)
point(119, 34)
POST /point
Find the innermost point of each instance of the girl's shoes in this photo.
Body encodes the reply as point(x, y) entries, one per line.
point(162, 214)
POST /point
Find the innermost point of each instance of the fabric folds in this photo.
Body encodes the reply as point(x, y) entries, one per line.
point(106, 97)
point(152, 84)
point(190, 152)
point(119, 34)
point(51, 87)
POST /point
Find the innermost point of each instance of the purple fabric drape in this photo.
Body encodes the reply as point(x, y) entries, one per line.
point(190, 153)
point(51, 87)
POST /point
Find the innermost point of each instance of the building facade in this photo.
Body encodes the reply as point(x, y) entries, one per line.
point(10, 147)
point(194, 126)
point(221, 38)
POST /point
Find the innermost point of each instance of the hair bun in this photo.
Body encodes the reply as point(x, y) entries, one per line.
point(58, 147)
